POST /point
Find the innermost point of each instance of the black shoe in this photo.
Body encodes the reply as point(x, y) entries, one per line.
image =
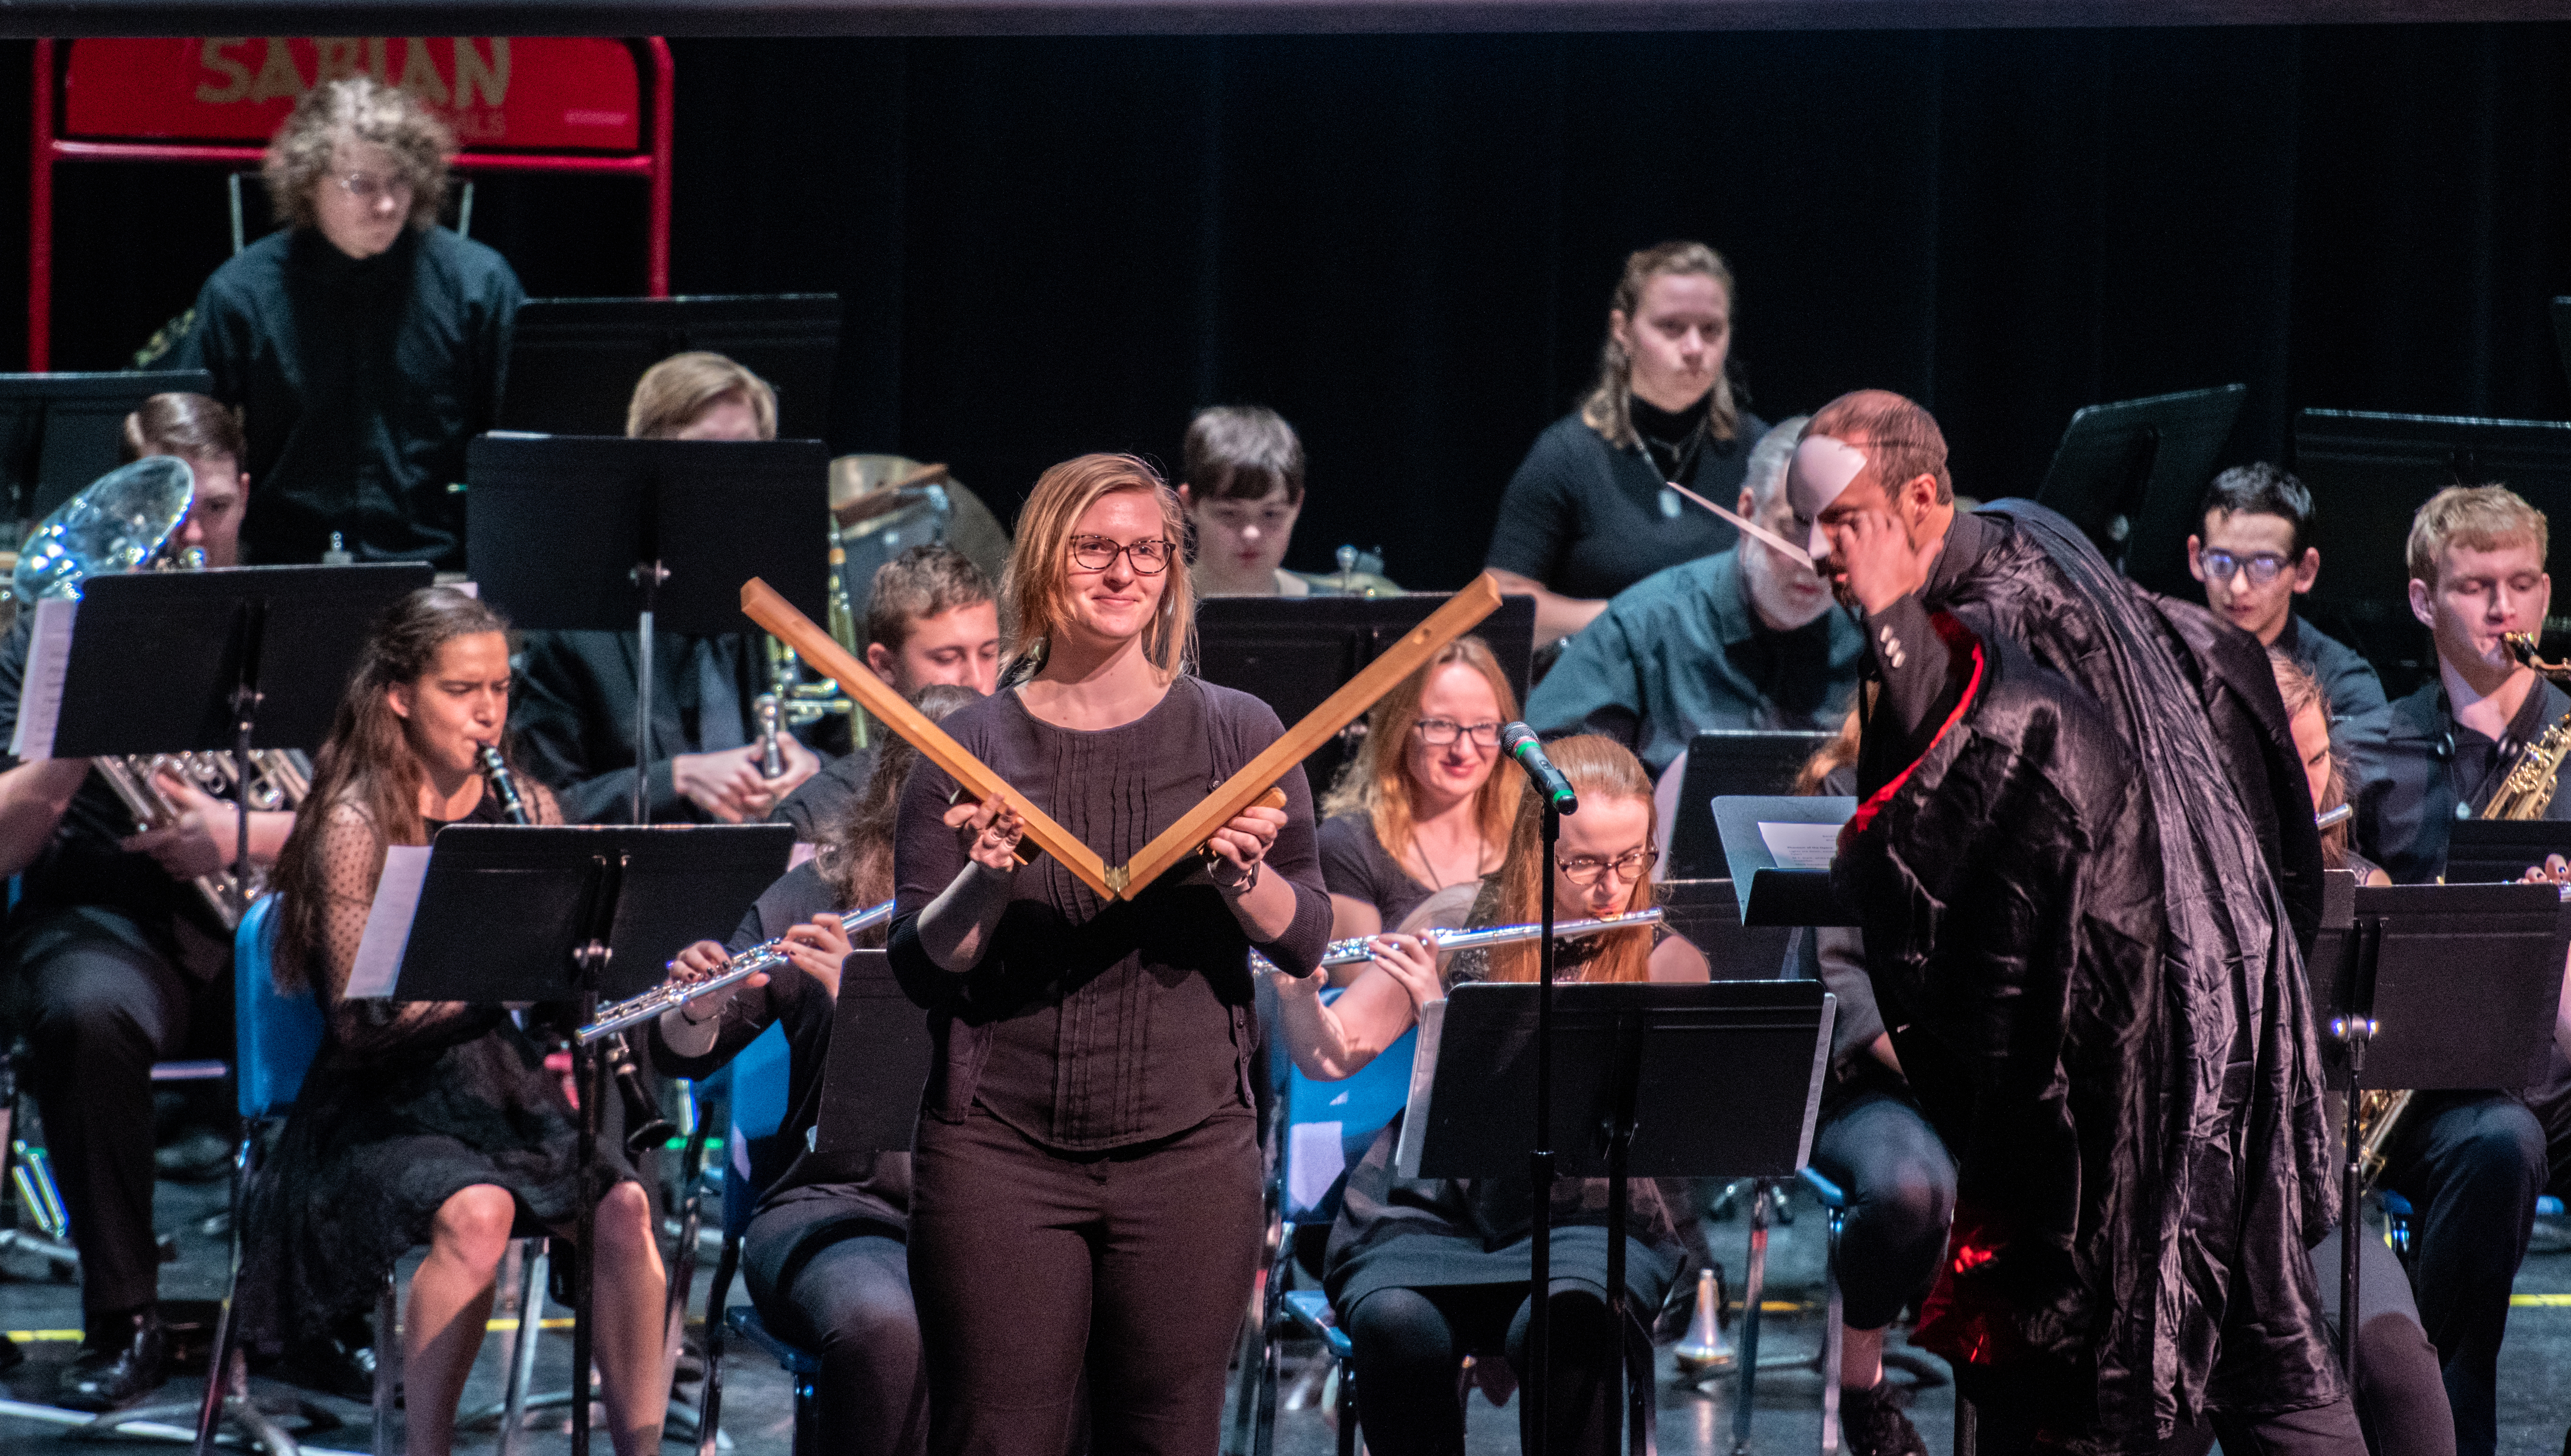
point(124, 1358)
point(341, 1363)
point(1872, 1422)
point(11, 1357)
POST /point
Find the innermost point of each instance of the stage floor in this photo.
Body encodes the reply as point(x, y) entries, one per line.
point(2535, 1372)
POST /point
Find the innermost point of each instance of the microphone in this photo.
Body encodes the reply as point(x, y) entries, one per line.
point(1519, 742)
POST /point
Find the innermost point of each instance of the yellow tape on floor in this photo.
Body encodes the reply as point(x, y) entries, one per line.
point(41, 1337)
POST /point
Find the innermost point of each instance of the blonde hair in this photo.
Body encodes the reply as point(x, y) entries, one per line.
point(359, 109)
point(1600, 770)
point(2301, 690)
point(673, 394)
point(1830, 758)
point(1032, 598)
point(1609, 409)
point(1376, 782)
point(2483, 517)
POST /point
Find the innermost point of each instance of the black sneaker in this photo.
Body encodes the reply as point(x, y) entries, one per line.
point(124, 1358)
point(1872, 1422)
point(340, 1363)
point(11, 1357)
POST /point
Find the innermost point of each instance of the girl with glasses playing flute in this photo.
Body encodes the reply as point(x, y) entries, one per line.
point(1423, 1272)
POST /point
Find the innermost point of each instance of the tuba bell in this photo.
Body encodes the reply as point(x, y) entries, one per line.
point(126, 520)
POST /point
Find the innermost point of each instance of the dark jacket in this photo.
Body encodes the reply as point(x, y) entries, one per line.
point(2081, 864)
point(2431, 766)
point(575, 716)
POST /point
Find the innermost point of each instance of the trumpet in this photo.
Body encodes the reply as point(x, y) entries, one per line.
point(674, 993)
point(1353, 950)
point(277, 783)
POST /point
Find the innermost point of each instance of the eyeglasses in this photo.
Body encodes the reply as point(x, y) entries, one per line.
point(2263, 566)
point(365, 187)
point(1150, 555)
point(1437, 733)
point(1628, 866)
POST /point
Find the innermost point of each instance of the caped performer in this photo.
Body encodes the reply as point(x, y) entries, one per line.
point(2085, 865)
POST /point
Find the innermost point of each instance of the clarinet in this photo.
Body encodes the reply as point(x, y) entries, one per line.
point(504, 784)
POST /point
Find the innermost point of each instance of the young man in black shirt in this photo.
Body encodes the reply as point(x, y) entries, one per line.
point(2470, 1161)
point(365, 343)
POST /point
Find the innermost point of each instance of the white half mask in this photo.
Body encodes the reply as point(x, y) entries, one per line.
point(1820, 471)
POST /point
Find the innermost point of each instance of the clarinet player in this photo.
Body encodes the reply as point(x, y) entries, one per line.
point(1086, 1175)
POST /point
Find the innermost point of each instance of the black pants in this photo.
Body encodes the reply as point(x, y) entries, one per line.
point(99, 1006)
point(1410, 1343)
point(841, 1284)
point(1030, 1265)
point(2011, 1408)
point(2401, 1397)
point(1900, 1188)
point(2470, 1163)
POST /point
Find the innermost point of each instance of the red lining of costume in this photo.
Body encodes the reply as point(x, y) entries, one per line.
point(1955, 633)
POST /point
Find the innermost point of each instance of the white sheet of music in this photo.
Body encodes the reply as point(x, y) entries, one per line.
point(1423, 1079)
point(40, 692)
point(379, 951)
point(1800, 846)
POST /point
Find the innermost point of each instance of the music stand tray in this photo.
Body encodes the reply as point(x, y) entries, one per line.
point(1779, 848)
point(2131, 475)
point(573, 363)
point(59, 432)
point(878, 1064)
point(2497, 851)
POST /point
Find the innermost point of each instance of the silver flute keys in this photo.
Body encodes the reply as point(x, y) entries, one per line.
point(674, 993)
point(1350, 951)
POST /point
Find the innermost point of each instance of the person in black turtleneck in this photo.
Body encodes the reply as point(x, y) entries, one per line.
point(1590, 512)
point(364, 343)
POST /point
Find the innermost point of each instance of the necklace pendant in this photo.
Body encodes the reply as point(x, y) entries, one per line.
point(1669, 504)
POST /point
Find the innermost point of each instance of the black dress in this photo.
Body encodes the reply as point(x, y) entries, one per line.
point(408, 1105)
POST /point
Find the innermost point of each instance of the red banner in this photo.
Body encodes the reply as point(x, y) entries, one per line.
point(524, 93)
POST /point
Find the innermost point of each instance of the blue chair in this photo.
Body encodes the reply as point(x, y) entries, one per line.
point(754, 1157)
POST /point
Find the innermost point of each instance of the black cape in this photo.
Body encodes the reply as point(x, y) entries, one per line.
point(2081, 904)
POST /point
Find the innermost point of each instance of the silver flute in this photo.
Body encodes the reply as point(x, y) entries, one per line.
point(674, 993)
point(1350, 951)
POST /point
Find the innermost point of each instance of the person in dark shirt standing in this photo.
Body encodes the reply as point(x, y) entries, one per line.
point(1745, 639)
point(2254, 558)
point(365, 343)
point(2470, 1161)
point(1590, 511)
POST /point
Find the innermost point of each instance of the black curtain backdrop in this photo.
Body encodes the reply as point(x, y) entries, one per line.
point(1405, 245)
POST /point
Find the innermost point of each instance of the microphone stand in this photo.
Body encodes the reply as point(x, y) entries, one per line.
point(1538, 1392)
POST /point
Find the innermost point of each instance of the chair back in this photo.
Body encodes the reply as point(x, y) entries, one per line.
point(277, 1036)
point(1330, 1125)
point(754, 1153)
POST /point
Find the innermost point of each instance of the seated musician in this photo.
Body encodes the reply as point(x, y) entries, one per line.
point(114, 955)
point(1244, 487)
point(1425, 1272)
point(825, 1252)
point(1747, 637)
point(2469, 1161)
point(579, 689)
point(1590, 512)
point(2254, 559)
point(930, 617)
point(429, 1123)
point(1874, 1144)
point(1423, 805)
point(366, 341)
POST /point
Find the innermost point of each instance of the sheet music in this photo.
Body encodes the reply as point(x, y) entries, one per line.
point(49, 660)
point(1800, 846)
point(1423, 1078)
point(388, 921)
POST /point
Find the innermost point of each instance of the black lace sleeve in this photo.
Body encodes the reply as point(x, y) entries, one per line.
point(351, 865)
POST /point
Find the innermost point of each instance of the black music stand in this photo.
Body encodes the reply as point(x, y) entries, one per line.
point(1654, 1081)
point(880, 1048)
point(2131, 475)
point(2434, 988)
point(59, 432)
point(592, 533)
point(242, 658)
point(1773, 889)
point(2497, 851)
point(1293, 652)
point(1724, 765)
point(573, 363)
point(2562, 333)
point(592, 910)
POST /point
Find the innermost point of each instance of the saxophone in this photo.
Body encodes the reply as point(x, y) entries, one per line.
point(2525, 793)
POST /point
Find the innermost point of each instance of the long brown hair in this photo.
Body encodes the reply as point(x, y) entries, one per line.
point(1600, 769)
point(1376, 782)
point(1032, 598)
point(1609, 409)
point(1829, 758)
point(366, 764)
point(855, 859)
point(2301, 690)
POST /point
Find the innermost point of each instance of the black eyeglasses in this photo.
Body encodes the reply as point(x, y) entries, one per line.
point(2263, 566)
point(1628, 866)
point(1150, 555)
point(1437, 733)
